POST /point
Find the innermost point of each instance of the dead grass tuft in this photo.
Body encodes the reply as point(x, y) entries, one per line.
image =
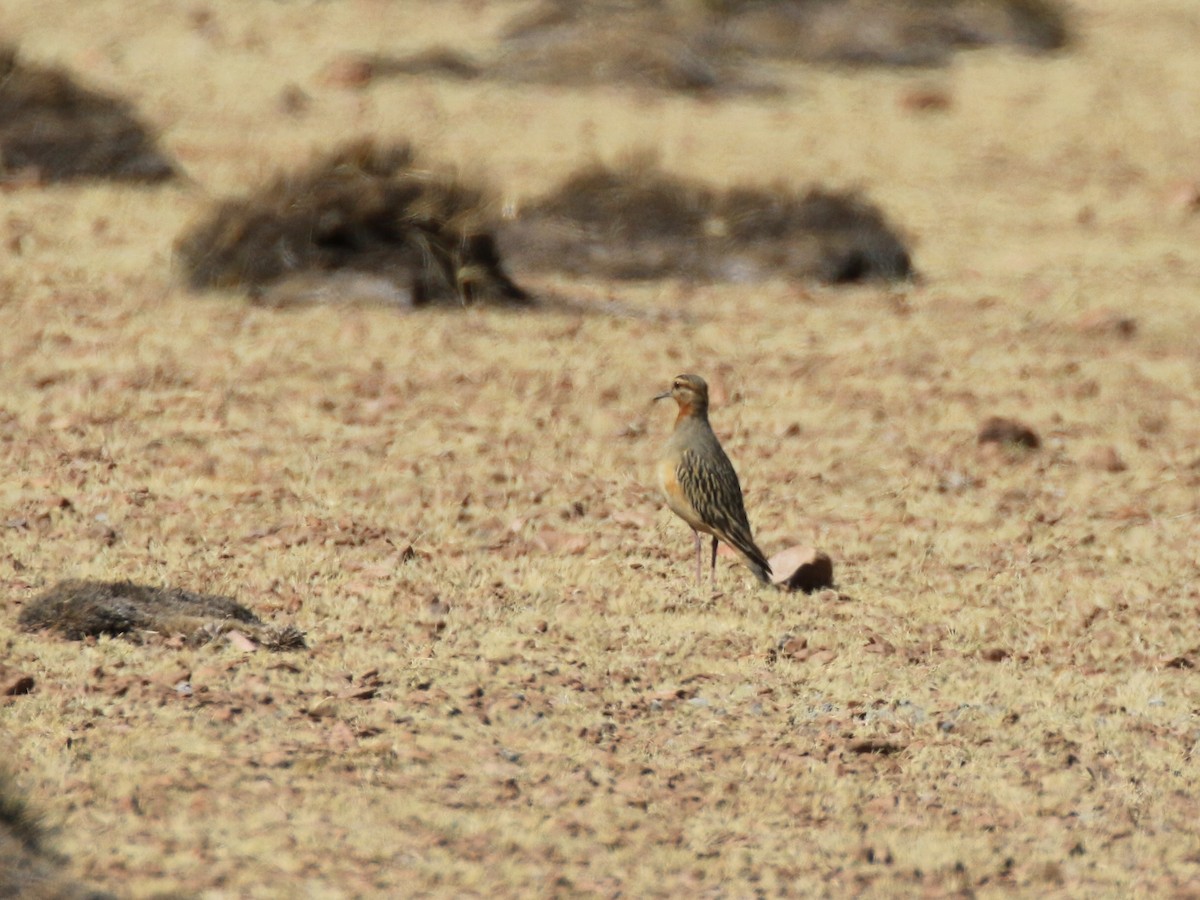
point(708, 46)
point(53, 129)
point(390, 229)
point(579, 45)
point(882, 33)
point(82, 609)
point(636, 221)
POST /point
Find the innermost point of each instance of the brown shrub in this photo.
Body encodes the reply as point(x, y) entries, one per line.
point(57, 130)
point(363, 209)
point(81, 609)
point(636, 221)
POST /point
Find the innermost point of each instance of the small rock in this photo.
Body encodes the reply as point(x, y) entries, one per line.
point(326, 706)
point(802, 568)
point(1153, 423)
point(925, 99)
point(1183, 198)
point(1105, 321)
point(240, 641)
point(998, 430)
point(16, 685)
point(293, 100)
point(105, 534)
point(789, 644)
point(876, 644)
point(560, 543)
point(1105, 459)
point(349, 72)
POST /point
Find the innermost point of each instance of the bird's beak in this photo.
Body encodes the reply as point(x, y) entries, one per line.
point(663, 396)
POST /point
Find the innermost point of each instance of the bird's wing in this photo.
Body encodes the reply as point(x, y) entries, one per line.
point(712, 488)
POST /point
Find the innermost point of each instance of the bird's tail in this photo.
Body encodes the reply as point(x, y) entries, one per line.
point(754, 560)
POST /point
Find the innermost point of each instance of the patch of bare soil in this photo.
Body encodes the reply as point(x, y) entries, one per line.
point(635, 221)
point(54, 129)
point(365, 222)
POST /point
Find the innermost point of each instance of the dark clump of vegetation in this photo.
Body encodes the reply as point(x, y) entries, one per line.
point(1009, 433)
point(52, 129)
point(391, 229)
point(708, 45)
point(82, 609)
point(887, 32)
point(577, 45)
point(635, 221)
point(28, 868)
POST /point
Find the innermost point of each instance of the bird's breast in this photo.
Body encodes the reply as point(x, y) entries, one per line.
point(668, 481)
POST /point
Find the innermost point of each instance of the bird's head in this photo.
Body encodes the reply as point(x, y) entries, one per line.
point(690, 392)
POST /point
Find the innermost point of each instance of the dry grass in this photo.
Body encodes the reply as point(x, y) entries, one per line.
point(512, 686)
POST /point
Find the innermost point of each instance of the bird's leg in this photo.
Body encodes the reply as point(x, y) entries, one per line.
point(713, 579)
point(699, 552)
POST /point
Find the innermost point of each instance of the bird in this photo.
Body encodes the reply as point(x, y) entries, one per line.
point(700, 484)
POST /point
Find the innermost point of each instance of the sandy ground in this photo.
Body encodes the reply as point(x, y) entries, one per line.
point(535, 699)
